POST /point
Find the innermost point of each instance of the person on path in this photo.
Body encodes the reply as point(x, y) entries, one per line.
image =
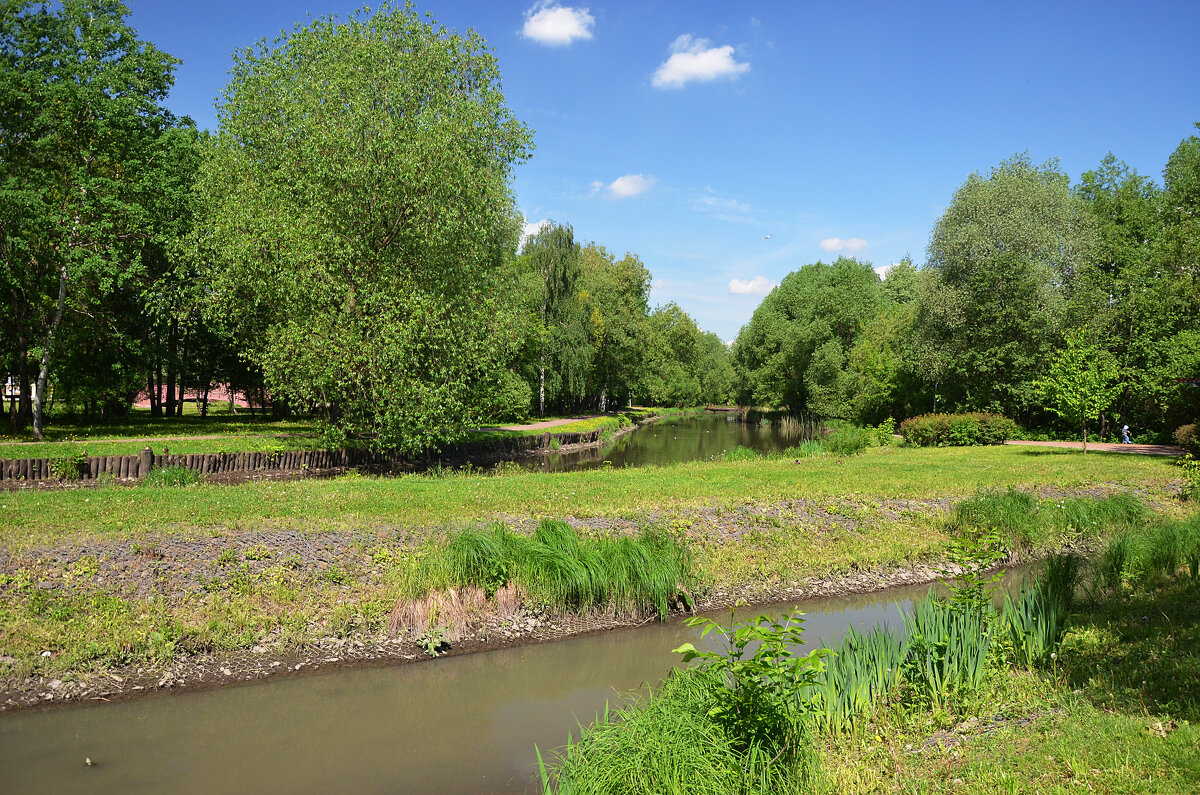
point(1125, 435)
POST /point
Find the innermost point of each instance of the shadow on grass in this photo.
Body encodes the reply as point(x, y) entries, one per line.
point(1139, 653)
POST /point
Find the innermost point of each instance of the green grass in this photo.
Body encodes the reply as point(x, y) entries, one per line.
point(563, 571)
point(1114, 711)
point(39, 517)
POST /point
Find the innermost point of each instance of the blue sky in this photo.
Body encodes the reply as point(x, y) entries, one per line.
point(687, 132)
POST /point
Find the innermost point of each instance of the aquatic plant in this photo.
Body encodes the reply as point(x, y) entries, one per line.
point(1037, 617)
point(859, 674)
point(947, 651)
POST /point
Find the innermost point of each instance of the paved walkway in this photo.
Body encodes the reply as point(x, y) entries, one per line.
point(1108, 447)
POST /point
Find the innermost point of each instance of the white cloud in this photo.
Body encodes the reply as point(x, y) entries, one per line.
point(531, 228)
point(658, 283)
point(850, 245)
point(710, 201)
point(557, 26)
point(759, 285)
point(884, 270)
point(626, 186)
point(696, 59)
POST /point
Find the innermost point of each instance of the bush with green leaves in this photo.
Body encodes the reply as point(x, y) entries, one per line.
point(954, 430)
point(69, 467)
point(1188, 437)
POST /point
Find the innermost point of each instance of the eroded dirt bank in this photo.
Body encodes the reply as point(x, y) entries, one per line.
point(349, 568)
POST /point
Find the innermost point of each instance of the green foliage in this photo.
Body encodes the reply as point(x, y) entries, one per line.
point(377, 308)
point(558, 568)
point(947, 430)
point(793, 351)
point(848, 440)
point(861, 672)
point(807, 449)
point(1081, 382)
point(1186, 436)
point(1191, 477)
point(1037, 618)
point(666, 743)
point(1002, 256)
point(762, 678)
point(741, 453)
point(948, 652)
point(1142, 556)
point(166, 477)
point(885, 432)
point(69, 467)
point(1011, 514)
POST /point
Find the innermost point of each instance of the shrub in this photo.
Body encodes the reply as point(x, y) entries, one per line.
point(946, 430)
point(1188, 437)
point(848, 440)
point(809, 449)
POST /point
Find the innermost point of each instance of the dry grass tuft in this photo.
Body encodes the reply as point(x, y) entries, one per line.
point(455, 611)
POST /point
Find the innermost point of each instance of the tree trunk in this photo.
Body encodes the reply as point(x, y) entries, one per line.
point(232, 399)
point(25, 402)
point(542, 390)
point(603, 399)
point(39, 391)
point(204, 401)
point(1085, 439)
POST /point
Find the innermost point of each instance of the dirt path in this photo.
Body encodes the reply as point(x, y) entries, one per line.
point(1108, 447)
point(537, 426)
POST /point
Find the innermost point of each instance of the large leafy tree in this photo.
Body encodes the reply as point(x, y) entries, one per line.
point(793, 351)
point(618, 293)
point(80, 121)
point(356, 211)
point(1006, 256)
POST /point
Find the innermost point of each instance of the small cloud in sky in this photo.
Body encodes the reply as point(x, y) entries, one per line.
point(557, 26)
point(884, 270)
point(759, 285)
point(624, 187)
point(696, 59)
point(851, 245)
point(658, 283)
point(531, 228)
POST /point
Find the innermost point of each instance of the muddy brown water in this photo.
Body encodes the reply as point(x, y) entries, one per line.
point(464, 724)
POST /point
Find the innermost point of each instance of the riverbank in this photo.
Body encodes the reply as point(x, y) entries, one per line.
point(109, 615)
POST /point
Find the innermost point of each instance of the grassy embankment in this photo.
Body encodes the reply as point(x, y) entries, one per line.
point(766, 521)
point(1088, 681)
point(233, 434)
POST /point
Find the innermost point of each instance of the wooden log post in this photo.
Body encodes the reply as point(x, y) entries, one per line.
point(145, 462)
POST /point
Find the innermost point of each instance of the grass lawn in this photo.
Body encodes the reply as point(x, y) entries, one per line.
point(36, 517)
point(1118, 713)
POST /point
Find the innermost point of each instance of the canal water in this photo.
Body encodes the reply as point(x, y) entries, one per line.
point(464, 724)
point(700, 437)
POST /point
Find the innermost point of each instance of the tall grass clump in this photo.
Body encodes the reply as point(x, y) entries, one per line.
point(741, 453)
point(1190, 543)
point(1141, 555)
point(947, 651)
point(1012, 514)
point(858, 676)
point(847, 440)
point(163, 477)
point(663, 744)
point(557, 568)
point(1037, 617)
point(809, 449)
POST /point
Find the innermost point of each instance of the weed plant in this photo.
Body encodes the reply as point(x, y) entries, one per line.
point(861, 672)
point(947, 652)
point(165, 477)
point(1037, 618)
point(1142, 555)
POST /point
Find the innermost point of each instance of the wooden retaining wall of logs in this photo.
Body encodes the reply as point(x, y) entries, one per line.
point(124, 467)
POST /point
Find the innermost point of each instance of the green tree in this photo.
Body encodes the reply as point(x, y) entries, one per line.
point(618, 294)
point(1005, 258)
point(356, 212)
point(1081, 382)
point(564, 350)
point(80, 120)
point(793, 351)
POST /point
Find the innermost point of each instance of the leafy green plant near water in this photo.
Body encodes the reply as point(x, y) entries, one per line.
point(558, 568)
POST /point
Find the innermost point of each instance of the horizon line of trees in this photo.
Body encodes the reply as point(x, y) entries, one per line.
point(346, 241)
point(1019, 267)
